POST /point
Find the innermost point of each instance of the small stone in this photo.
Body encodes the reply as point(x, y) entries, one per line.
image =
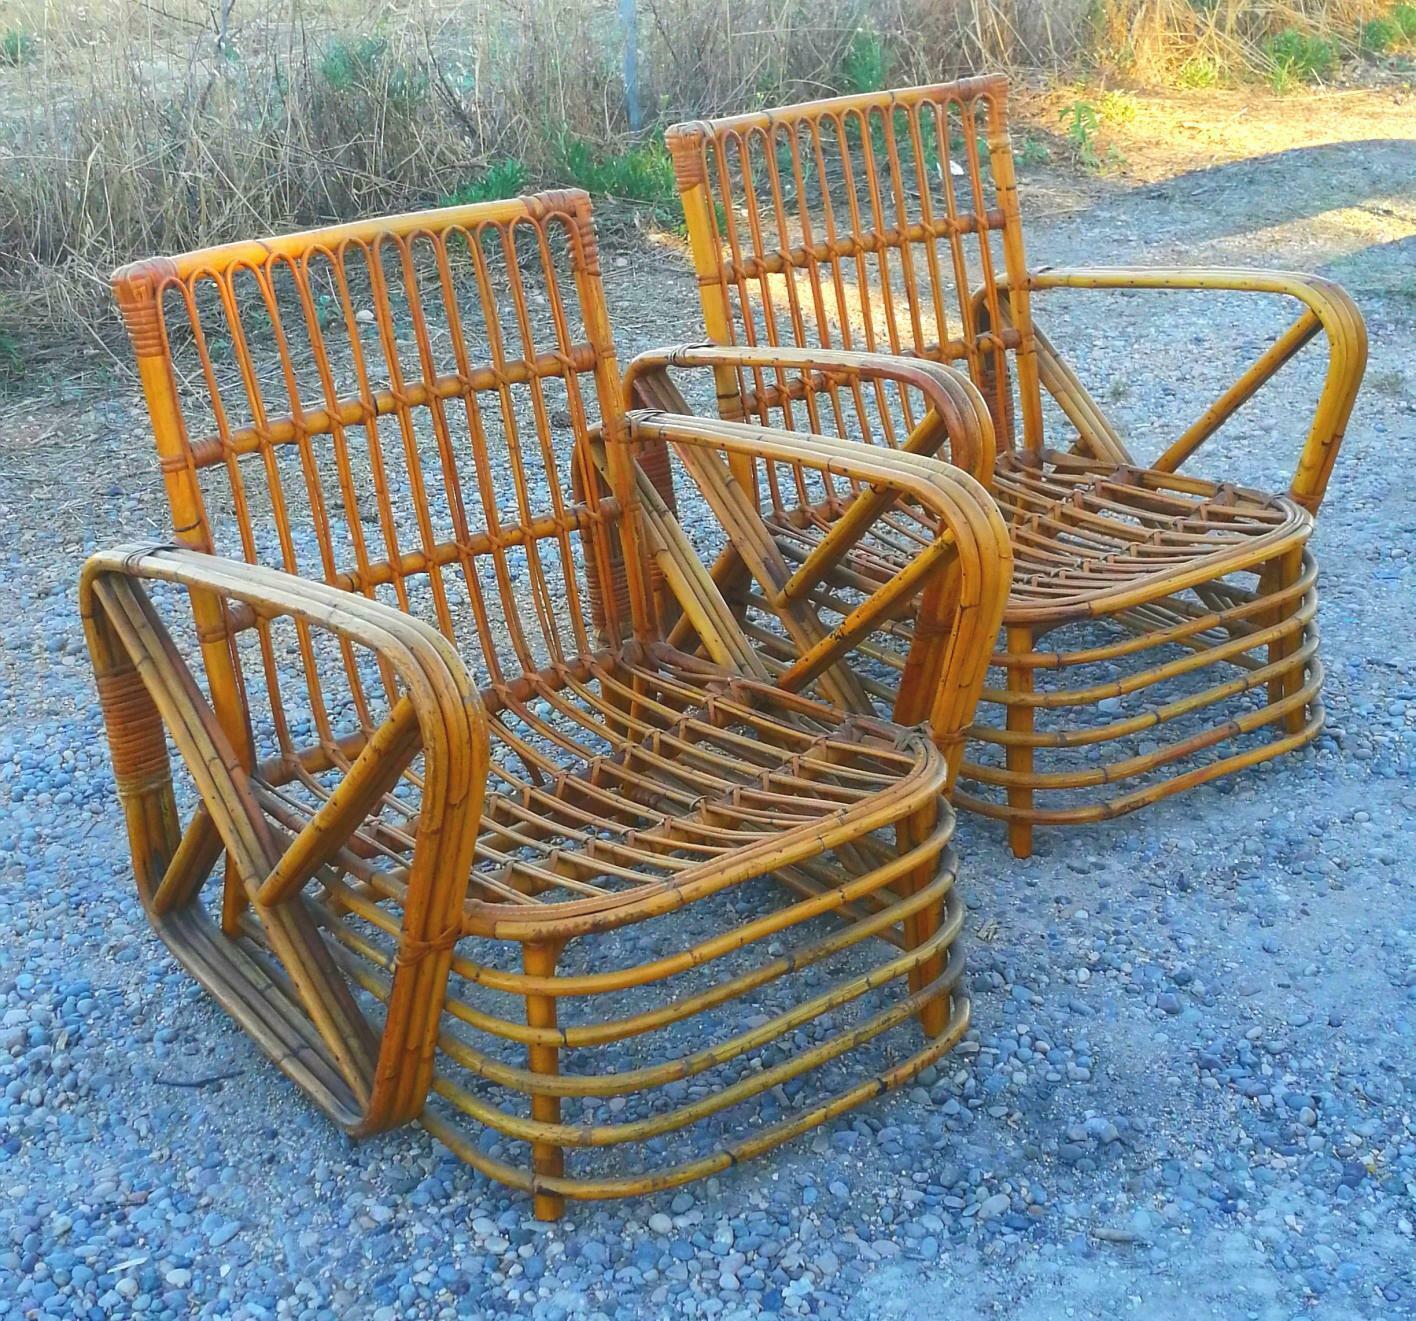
point(994, 1206)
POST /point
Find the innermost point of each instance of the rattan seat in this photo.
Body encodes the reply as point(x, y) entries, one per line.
point(583, 820)
point(1085, 532)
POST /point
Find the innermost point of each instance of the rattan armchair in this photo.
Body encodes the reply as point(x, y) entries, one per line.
point(1160, 629)
point(493, 854)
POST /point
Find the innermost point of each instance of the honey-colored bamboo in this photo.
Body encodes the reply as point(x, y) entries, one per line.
point(493, 853)
point(1160, 628)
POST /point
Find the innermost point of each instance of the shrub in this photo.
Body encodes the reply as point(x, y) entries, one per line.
point(866, 66)
point(643, 173)
point(1299, 57)
point(1378, 35)
point(504, 178)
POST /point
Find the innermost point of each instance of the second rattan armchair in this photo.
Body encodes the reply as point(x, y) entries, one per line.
point(1161, 628)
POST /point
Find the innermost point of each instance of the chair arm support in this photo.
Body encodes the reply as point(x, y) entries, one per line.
point(957, 411)
point(967, 570)
point(145, 686)
point(1329, 308)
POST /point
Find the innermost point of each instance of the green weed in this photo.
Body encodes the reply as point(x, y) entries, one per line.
point(17, 47)
point(1080, 123)
point(369, 67)
point(1298, 57)
point(1032, 151)
point(642, 174)
point(349, 64)
point(866, 65)
point(503, 178)
point(12, 358)
point(1404, 16)
point(1117, 108)
point(1198, 73)
point(1378, 35)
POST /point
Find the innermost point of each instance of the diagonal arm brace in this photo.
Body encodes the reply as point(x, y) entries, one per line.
point(962, 576)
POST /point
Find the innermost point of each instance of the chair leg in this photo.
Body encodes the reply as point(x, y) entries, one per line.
point(546, 1158)
point(1276, 575)
point(922, 924)
point(1019, 757)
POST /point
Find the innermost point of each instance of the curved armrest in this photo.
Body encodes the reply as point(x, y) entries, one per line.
point(367, 1080)
point(960, 579)
point(1328, 308)
point(957, 411)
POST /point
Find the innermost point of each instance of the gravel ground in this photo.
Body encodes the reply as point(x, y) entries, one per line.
point(1190, 1082)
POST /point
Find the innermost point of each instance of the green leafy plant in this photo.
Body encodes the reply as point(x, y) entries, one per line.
point(1378, 35)
point(1404, 17)
point(1033, 151)
point(12, 359)
point(1298, 57)
point(17, 47)
point(866, 65)
point(1080, 123)
point(1198, 73)
point(1116, 108)
point(503, 178)
point(348, 64)
point(368, 66)
point(643, 174)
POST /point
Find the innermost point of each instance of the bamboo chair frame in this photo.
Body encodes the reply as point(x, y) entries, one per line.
point(434, 816)
point(890, 222)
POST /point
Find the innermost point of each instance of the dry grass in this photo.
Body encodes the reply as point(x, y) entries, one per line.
point(131, 127)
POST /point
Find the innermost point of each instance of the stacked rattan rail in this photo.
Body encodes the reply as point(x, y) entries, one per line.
point(457, 836)
point(1160, 630)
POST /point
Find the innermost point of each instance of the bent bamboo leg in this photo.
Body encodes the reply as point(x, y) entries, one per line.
point(546, 1159)
point(922, 924)
point(1278, 574)
point(1019, 756)
point(141, 766)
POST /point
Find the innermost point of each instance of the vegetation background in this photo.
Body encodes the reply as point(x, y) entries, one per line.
point(133, 127)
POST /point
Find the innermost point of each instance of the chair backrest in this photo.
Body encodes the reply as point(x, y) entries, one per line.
point(886, 222)
point(398, 407)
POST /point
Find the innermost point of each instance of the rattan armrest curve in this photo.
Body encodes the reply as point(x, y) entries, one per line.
point(965, 618)
point(1331, 308)
point(453, 734)
point(438, 683)
point(952, 396)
